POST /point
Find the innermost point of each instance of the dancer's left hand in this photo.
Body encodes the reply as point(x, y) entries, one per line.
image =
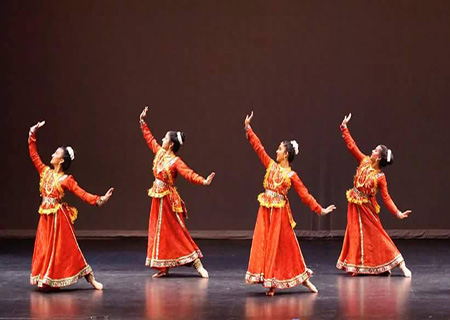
point(404, 214)
point(328, 209)
point(108, 195)
point(209, 179)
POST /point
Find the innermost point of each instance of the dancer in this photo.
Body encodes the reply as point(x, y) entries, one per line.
point(169, 242)
point(367, 248)
point(276, 260)
point(57, 258)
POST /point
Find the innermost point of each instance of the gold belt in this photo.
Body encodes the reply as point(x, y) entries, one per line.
point(49, 200)
point(161, 184)
point(361, 194)
point(274, 194)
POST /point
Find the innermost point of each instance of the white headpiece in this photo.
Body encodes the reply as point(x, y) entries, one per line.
point(389, 155)
point(71, 153)
point(180, 139)
point(295, 145)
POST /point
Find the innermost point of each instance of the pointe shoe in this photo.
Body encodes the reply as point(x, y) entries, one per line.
point(310, 286)
point(91, 279)
point(406, 272)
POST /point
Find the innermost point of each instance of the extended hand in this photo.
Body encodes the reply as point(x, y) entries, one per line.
point(346, 120)
point(328, 209)
point(403, 215)
point(108, 195)
point(248, 119)
point(143, 113)
point(209, 179)
point(38, 125)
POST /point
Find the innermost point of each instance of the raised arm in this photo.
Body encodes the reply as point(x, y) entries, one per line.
point(351, 144)
point(148, 136)
point(256, 143)
point(34, 155)
point(87, 197)
point(189, 174)
point(382, 186)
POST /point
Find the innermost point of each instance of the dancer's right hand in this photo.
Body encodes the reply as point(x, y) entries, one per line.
point(248, 119)
point(328, 209)
point(34, 128)
point(346, 120)
point(143, 113)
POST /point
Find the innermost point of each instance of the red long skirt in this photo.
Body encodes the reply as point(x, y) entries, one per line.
point(169, 242)
point(276, 260)
point(367, 248)
point(57, 258)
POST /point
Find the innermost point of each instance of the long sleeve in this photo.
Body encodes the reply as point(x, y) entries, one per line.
point(187, 173)
point(73, 187)
point(258, 147)
point(382, 185)
point(149, 138)
point(351, 144)
point(34, 155)
point(305, 196)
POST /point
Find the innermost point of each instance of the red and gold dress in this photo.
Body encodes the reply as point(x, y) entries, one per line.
point(169, 241)
point(57, 258)
point(276, 260)
point(367, 248)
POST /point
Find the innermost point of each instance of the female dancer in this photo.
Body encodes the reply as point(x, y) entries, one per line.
point(169, 242)
point(57, 258)
point(276, 260)
point(367, 248)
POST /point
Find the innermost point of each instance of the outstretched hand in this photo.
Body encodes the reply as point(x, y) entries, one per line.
point(107, 195)
point(346, 120)
point(38, 125)
point(143, 113)
point(328, 209)
point(403, 215)
point(209, 179)
point(248, 119)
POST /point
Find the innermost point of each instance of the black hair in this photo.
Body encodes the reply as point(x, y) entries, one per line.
point(173, 136)
point(384, 155)
point(67, 160)
point(290, 150)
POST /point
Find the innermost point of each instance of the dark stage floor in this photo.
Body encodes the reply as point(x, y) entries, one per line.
point(131, 293)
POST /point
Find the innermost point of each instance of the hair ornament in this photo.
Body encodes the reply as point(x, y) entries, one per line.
point(295, 145)
point(71, 153)
point(180, 139)
point(389, 155)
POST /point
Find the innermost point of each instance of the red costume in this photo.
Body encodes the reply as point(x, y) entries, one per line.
point(169, 242)
point(276, 260)
point(57, 258)
point(367, 248)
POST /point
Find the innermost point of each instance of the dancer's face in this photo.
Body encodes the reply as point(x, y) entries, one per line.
point(281, 152)
point(376, 154)
point(57, 157)
point(166, 143)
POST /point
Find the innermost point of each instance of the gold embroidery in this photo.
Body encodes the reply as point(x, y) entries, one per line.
point(360, 269)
